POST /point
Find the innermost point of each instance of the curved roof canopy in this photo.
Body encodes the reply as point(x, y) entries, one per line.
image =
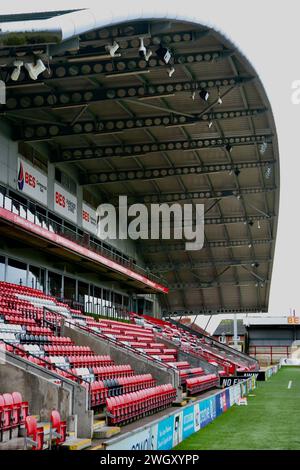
point(196, 129)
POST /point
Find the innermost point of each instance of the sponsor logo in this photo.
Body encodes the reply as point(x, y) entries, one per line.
point(21, 178)
point(85, 216)
point(64, 202)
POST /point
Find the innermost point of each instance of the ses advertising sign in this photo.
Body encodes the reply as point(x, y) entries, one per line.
point(89, 219)
point(31, 181)
point(65, 203)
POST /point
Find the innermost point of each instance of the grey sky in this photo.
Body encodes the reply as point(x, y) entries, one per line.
point(268, 34)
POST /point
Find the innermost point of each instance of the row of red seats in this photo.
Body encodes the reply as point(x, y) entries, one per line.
point(61, 340)
point(164, 357)
point(185, 374)
point(152, 351)
point(90, 361)
point(17, 320)
point(99, 391)
point(119, 324)
point(53, 350)
point(13, 412)
point(110, 372)
point(198, 384)
point(39, 330)
point(137, 404)
point(180, 365)
point(7, 288)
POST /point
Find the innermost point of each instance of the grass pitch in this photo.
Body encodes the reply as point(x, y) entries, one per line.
point(271, 421)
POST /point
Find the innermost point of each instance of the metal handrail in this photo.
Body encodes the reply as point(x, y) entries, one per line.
point(52, 368)
point(122, 345)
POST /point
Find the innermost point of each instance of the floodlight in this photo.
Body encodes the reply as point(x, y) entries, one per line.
point(17, 70)
point(164, 54)
point(112, 48)
point(204, 95)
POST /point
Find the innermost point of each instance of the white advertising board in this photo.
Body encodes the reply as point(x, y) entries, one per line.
point(65, 203)
point(31, 181)
point(89, 219)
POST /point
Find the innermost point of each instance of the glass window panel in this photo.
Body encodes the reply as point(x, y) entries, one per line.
point(2, 268)
point(54, 281)
point(16, 272)
point(69, 288)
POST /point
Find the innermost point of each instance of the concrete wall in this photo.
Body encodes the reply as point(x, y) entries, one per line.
point(140, 364)
point(37, 386)
point(42, 395)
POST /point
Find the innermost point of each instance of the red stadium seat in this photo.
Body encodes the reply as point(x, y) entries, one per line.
point(199, 384)
point(58, 428)
point(34, 435)
point(21, 406)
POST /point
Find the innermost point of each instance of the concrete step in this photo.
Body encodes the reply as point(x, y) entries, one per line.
point(97, 446)
point(106, 432)
point(98, 424)
point(76, 444)
point(181, 403)
point(99, 416)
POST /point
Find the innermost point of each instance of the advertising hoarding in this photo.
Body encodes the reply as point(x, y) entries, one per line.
point(31, 181)
point(65, 203)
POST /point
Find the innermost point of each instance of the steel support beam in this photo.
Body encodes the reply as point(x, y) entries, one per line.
point(167, 267)
point(210, 285)
point(153, 34)
point(30, 133)
point(128, 151)
point(159, 173)
point(177, 197)
point(215, 244)
point(212, 311)
point(68, 99)
point(105, 65)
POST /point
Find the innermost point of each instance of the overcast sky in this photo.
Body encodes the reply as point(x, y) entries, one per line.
point(268, 34)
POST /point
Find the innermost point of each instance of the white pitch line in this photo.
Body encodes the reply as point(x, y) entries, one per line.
point(290, 384)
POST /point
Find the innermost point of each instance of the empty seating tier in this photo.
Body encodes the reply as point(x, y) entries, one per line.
point(131, 406)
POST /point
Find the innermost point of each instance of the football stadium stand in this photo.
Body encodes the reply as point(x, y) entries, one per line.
point(93, 341)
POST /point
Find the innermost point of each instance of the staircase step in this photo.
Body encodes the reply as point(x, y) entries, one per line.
point(106, 432)
point(76, 444)
point(98, 447)
point(99, 416)
point(98, 424)
point(181, 403)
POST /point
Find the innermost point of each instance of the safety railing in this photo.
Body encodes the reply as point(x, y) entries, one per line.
point(275, 353)
point(119, 344)
point(20, 352)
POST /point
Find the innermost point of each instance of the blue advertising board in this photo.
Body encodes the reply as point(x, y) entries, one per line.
point(165, 434)
point(188, 426)
point(208, 411)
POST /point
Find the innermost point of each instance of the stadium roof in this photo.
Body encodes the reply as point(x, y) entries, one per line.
point(129, 126)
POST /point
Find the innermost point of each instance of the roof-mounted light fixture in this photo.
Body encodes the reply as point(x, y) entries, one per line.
point(18, 64)
point(112, 48)
point(34, 70)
